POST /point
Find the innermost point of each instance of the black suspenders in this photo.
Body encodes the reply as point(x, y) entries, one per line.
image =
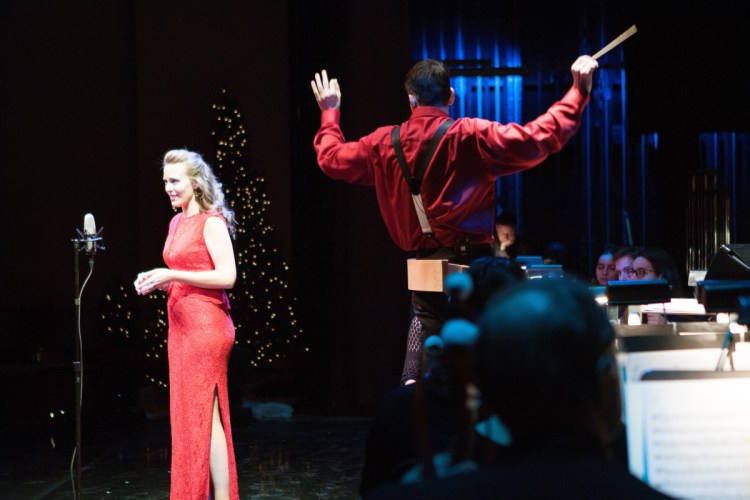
point(415, 181)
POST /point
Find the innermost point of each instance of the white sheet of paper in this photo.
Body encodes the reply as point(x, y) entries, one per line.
point(691, 438)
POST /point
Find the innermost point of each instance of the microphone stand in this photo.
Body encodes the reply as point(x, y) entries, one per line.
point(76, 474)
point(80, 244)
point(727, 347)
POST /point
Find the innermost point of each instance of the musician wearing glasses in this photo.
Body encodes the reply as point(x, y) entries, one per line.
point(624, 263)
point(652, 263)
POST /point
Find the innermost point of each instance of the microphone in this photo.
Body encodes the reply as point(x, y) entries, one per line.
point(89, 233)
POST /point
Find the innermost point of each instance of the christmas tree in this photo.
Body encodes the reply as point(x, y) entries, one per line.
point(263, 303)
point(142, 323)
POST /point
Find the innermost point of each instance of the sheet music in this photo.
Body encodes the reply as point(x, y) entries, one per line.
point(676, 306)
point(691, 438)
point(632, 367)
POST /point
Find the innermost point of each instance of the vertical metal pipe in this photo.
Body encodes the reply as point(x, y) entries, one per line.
point(623, 128)
point(589, 202)
point(733, 163)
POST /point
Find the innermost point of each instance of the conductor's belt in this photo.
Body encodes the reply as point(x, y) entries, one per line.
point(475, 250)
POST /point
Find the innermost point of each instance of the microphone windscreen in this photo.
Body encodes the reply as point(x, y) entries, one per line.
point(89, 229)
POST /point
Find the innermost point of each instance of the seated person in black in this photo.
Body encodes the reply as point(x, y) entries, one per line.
point(505, 242)
point(651, 263)
point(416, 421)
point(546, 368)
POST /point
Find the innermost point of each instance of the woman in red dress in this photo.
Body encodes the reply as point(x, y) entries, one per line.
point(201, 266)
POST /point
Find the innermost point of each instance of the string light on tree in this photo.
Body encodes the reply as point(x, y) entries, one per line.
point(125, 314)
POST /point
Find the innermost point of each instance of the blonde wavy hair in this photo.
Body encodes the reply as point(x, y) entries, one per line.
point(208, 191)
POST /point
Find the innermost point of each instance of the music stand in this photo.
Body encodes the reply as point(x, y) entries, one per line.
point(728, 264)
point(722, 295)
point(529, 260)
point(627, 293)
point(536, 271)
point(726, 296)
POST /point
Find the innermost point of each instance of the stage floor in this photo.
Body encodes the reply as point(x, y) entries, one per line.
point(307, 457)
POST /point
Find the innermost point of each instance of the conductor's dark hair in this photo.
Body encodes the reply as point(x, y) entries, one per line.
point(541, 347)
point(429, 82)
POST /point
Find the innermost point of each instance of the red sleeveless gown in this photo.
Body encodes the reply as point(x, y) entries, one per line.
point(201, 335)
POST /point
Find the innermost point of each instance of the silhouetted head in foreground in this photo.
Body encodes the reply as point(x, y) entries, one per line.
point(546, 363)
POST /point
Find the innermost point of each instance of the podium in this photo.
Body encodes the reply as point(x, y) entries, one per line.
point(428, 275)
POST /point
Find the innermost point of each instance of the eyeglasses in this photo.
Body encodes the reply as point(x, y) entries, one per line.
point(640, 272)
point(628, 271)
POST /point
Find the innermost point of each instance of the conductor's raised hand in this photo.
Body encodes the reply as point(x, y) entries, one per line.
point(327, 93)
point(583, 73)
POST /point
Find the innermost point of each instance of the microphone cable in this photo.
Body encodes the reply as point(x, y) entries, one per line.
point(79, 396)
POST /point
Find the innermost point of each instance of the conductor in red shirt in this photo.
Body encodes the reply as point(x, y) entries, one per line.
point(438, 201)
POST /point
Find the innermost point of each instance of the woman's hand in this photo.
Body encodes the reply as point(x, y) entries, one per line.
point(222, 276)
point(149, 281)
